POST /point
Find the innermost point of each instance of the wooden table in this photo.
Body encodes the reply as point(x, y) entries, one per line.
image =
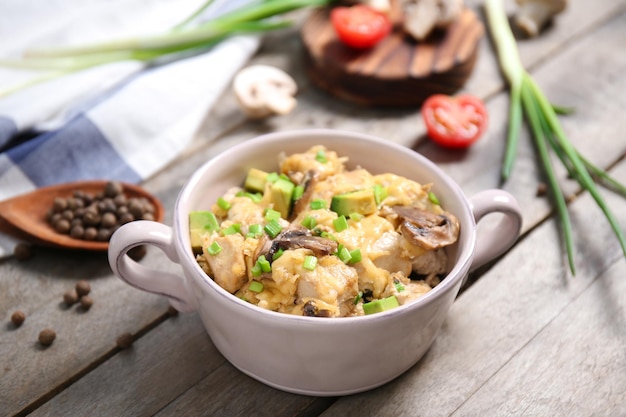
point(523, 338)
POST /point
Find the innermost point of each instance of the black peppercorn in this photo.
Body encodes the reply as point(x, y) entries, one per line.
point(47, 336)
point(83, 287)
point(124, 341)
point(17, 318)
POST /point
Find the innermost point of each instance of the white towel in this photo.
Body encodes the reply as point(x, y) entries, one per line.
point(121, 121)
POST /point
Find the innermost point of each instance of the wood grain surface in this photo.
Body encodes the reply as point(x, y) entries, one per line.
point(398, 71)
point(525, 338)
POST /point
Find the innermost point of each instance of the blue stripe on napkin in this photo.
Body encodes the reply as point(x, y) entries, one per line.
point(8, 129)
point(78, 151)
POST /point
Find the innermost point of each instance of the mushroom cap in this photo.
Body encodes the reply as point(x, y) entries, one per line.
point(428, 230)
point(263, 90)
point(532, 15)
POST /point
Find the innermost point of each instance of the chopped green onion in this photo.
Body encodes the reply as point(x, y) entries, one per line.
point(345, 255)
point(358, 297)
point(309, 222)
point(278, 254)
point(399, 286)
point(322, 233)
point(223, 204)
point(256, 270)
point(317, 204)
point(256, 197)
point(340, 223)
point(273, 228)
point(309, 262)
point(298, 191)
point(285, 177)
point(355, 256)
point(256, 286)
point(433, 198)
point(254, 231)
point(232, 229)
point(214, 248)
point(271, 214)
point(380, 193)
point(264, 264)
point(320, 156)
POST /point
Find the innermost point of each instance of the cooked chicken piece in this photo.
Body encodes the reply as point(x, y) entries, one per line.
point(412, 291)
point(380, 251)
point(403, 192)
point(387, 253)
point(358, 179)
point(302, 204)
point(318, 159)
point(431, 262)
point(332, 282)
point(245, 211)
point(228, 266)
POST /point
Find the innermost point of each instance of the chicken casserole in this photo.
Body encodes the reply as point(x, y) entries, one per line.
point(318, 239)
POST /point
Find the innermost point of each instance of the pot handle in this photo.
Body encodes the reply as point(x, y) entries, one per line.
point(494, 242)
point(145, 232)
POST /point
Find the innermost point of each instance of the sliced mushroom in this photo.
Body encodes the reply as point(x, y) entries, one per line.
point(532, 15)
point(263, 90)
point(428, 230)
point(421, 17)
point(295, 238)
point(303, 202)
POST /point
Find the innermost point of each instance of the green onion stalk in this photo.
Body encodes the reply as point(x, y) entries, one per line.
point(181, 40)
point(527, 99)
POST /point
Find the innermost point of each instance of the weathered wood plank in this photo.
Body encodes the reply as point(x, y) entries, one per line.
point(141, 380)
point(37, 286)
point(573, 367)
point(494, 322)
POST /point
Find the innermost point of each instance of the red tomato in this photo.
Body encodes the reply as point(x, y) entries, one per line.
point(360, 26)
point(454, 122)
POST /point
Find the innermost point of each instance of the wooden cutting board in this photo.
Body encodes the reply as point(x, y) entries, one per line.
point(398, 71)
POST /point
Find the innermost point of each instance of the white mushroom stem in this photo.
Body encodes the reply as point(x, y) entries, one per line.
point(263, 90)
point(532, 15)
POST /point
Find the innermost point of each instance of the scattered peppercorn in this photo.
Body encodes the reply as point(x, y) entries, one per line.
point(92, 217)
point(541, 189)
point(124, 341)
point(47, 336)
point(83, 287)
point(86, 302)
point(22, 251)
point(70, 297)
point(17, 318)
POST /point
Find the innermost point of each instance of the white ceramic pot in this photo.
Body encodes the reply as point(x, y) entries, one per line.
point(312, 355)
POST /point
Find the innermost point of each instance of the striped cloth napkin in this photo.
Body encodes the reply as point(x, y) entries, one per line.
point(122, 121)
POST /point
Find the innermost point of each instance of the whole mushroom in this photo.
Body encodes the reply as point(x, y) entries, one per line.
point(532, 15)
point(263, 90)
point(421, 17)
